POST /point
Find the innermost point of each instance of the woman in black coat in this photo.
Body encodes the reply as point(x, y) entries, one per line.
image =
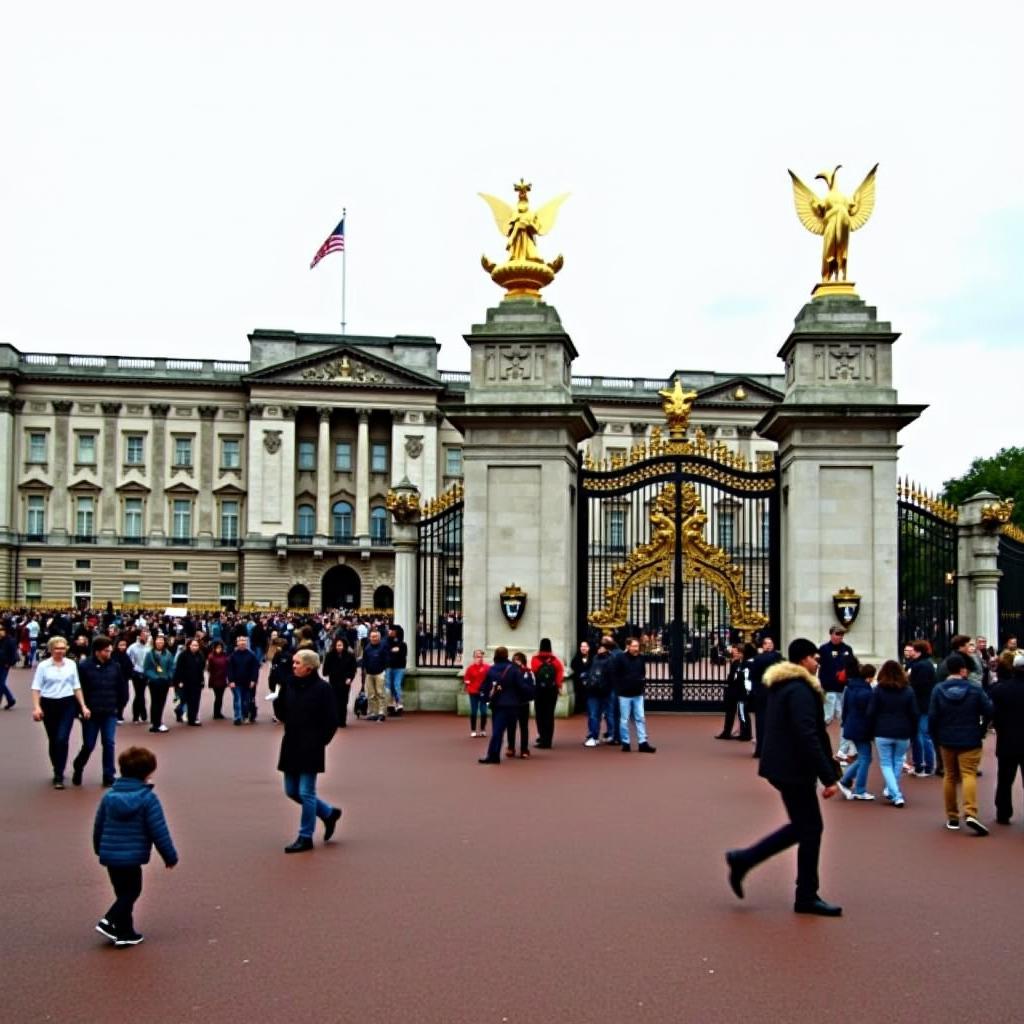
point(305, 704)
point(340, 669)
point(893, 718)
point(189, 676)
point(503, 689)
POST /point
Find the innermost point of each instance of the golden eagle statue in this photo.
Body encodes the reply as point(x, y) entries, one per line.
point(525, 272)
point(834, 216)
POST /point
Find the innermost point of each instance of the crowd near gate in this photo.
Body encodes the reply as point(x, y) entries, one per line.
point(1011, 583)
point(678, 547)
point(927, 556)
point(439, 582)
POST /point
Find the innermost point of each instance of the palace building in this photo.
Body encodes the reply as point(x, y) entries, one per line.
point(159, 481)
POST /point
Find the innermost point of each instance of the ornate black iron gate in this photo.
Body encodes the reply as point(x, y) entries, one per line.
point(678, 546)
point(1011, 584)
point(439, 581)
point(927, 568)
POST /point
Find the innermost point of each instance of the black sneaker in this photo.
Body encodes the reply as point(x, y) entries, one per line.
point(646, 748)
point(301, 845)
point(953, 824)
point(331, 823)
point(818, 907)
point(625, 748)
point(76, 777)
point(105, 928)
point(58, 782)
point(976, 826)
point(129, 938)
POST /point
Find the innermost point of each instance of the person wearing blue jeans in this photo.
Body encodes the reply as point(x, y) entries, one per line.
point(398, 653)
point(894, 719)
point(105, 690)
point(921, 671)
point(630, 673)
point(306, 706)
point(857, 728)
point(243, 672)
point(8, 659)
point(56, 697)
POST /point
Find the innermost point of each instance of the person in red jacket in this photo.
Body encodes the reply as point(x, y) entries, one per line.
point(476, 672)
point(549, 673)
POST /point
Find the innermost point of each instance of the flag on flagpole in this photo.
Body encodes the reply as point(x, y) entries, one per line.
point(335, 242)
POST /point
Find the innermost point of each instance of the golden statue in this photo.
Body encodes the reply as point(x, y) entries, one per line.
point(834, 215)
point(676, 404)
point(524, 273)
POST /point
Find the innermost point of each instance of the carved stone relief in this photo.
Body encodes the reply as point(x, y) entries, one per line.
point(344, 371)
point(845, 362)
point(414, 446)
point(271, 441)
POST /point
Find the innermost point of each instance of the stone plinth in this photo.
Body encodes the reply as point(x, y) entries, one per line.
point(977, 577)
point(837, 429)
point(521, 431)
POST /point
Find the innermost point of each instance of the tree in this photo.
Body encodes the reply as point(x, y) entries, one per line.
point(1002, 474)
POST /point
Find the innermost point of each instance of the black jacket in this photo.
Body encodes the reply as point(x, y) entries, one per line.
point(795, 745)
point(893, 713)
point(306, 706)
point(190, 669)
point(104, 687)
point(832, 659)
point(503, 685)
point(630, 673)
point(759, 666)
point(398, 649)
point(735, 690)
point(1008, 715)
point(922, 681)
point(598, 677)
point(959, 714)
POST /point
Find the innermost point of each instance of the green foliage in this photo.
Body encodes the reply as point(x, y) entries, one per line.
point(1002, 474)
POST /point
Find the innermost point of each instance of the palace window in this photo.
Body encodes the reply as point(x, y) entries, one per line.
point(179, 566)
point(131, 594)
point(378, 458)
point(35, 515)
point(86, 453)
point(179, 592)
point(183, 452)
point(341, 521)
point(230, 453)
point(229, 591)
point(379, 525)
point(343, 457)
point(229, 567)
point(726, 528)
point(83, 563)
point(229, 520)
point(181, 519)
point(616, 527)
point(305, 521)
point(307, 456)
point(33, 591)
point(83, 593)
point(766, 531)
point(33, 563)
point(132, 525)
point(131, 565)
point(85, 514)
point(37, 446)
point(453, 462)
point(134, 449)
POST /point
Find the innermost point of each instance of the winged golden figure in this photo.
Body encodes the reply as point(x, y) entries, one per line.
point(525, 271)
point(834, 216)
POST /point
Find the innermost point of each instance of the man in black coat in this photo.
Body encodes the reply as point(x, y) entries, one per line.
point(795, 753)
point(1008, 718)
point(755, 701)
point(305, 704)
point(105, 691)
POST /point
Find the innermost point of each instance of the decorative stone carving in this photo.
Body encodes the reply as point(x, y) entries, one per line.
point(136, 410)
point(159, 411)
point(324, 412)
point(11, 404)
point(62, 408)
point(343, 371)
point(38, 407)
point(271, 441)
point(207, 412)
point(844, 362)
point(183, 410)
point(638, 428)
point(87, 407)
point(414, 446)
point(745, 432)
point(428, 417)
point(110, 408)
point(255, 410)
point(288, 412)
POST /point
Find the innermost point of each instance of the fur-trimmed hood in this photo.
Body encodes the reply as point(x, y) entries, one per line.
point(786, 670)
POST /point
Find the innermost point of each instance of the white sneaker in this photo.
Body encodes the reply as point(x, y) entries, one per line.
point(473, 735)
point(886, 793)
point(863, 796)
point(162, 728)
point(845, 790)
point(590, 742)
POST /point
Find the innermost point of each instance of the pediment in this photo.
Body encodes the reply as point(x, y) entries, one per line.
point(181, 488)
point(344, 366)
point(229, 490)
point(35, 484)
point(84, 487)
point(739, 391)
point(132, 487)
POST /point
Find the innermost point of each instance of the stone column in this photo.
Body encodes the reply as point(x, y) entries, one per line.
point(323, 474)
point(108, 471)
point(837, 429)
point(157, 500)
point(521, 431)
point(208, 527)
point(61, 471)
point(253, 471)
point(8, 518)
point(362, 510)
point(978, 571)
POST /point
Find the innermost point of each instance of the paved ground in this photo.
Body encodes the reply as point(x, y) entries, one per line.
point(582, 886)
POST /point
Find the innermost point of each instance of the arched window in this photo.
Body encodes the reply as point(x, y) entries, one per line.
point(379, 525)
point(341, 515)
point(306, 522)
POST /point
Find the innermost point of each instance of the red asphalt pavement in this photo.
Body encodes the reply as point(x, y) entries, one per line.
point(582, 886)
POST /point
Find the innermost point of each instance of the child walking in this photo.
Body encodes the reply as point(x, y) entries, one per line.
point(129, 822)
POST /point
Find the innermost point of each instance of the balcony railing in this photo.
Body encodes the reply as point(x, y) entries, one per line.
point(130, 539)
point(181, 542)
point(228, 542)
point(34, 538)
point(83, 538)
point(342, 538)
point(382, 541)
point(300, 538)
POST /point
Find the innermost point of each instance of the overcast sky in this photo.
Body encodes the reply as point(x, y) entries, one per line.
point(169, 171)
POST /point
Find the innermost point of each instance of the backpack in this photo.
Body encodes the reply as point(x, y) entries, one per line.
point(545, 675)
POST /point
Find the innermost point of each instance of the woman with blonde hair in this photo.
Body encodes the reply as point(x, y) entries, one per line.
point(893, 718)
point(56, 698)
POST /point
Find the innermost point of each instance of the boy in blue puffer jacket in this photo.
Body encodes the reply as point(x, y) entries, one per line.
point(129, 822)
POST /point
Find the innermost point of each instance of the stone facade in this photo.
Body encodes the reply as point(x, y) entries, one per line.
point(159, 481)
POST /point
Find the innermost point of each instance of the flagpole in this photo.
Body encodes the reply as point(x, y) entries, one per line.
point(344, 258)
